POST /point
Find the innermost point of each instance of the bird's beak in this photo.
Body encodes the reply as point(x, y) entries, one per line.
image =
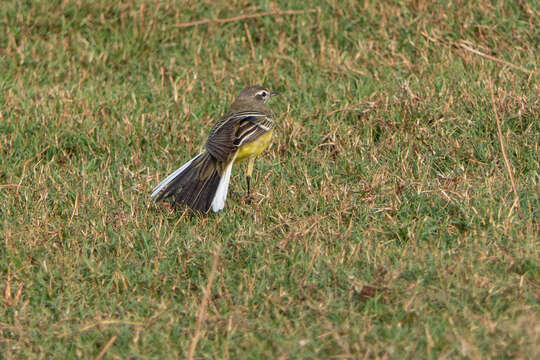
point(272, 94)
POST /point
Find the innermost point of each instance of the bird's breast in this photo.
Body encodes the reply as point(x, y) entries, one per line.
point(254, 147)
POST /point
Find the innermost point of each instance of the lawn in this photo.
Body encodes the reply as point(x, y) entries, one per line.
point(396, 214)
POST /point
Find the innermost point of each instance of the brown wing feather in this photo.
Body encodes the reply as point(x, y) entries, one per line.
point(252, 129)
point(231, 130)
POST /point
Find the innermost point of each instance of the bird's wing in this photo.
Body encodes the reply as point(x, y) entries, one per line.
point(234, 130)
point(250, 129)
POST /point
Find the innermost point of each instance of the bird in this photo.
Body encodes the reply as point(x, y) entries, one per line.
point(241, 134)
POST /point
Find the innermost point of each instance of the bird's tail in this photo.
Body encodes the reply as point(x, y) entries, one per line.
point(201, 183)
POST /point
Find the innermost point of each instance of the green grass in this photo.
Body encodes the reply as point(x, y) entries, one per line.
point(384, 224)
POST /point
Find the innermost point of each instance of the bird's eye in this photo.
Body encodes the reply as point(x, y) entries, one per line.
point(262, 94)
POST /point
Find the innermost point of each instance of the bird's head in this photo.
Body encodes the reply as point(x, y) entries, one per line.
point(257, 93)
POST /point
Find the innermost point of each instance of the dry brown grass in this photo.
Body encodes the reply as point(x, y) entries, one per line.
point(385, 222)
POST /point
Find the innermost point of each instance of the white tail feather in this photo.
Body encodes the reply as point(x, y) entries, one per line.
point(218, 203)
point(171, 177)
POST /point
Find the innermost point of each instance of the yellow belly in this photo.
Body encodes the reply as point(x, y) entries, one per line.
point(254, 148)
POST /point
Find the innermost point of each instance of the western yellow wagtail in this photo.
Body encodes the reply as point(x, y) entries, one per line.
point(241, 134)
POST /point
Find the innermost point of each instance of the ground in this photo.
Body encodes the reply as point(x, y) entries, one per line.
point(395, 214)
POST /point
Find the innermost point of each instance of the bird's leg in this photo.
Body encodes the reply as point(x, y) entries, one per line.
point(248, 177)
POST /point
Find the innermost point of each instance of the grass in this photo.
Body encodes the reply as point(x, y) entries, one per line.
point(385, 224)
